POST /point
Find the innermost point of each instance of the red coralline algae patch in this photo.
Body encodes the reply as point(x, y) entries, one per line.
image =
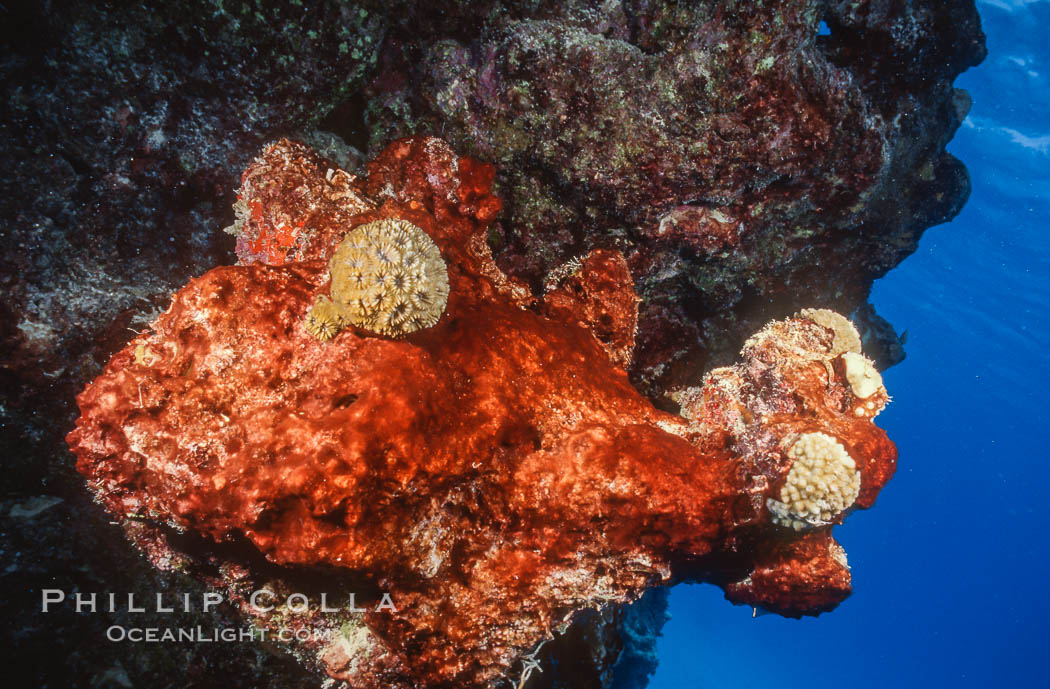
point(808, 571)
point(292, 204)
point(596, 292)
point(496, 473)
point(423, 172)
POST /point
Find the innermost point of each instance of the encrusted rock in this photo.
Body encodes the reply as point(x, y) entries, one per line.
point(494, 474)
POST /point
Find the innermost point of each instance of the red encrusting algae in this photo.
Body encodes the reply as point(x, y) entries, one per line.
point(496, 472)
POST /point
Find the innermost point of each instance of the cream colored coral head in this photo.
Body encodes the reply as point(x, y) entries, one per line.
point(847, 339)
point(822, 483)
point(388, 277)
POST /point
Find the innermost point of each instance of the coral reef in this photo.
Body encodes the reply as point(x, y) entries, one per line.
point(495, 474)
point(747, 162)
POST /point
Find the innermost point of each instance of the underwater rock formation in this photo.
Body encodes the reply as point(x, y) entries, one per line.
point(495, 473)
point(728, 149)
point(746, 162)
point(126, 126)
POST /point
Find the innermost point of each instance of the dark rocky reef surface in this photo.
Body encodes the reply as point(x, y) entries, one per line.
point(746, 162)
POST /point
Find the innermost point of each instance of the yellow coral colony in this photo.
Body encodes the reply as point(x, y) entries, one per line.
point(388, 277)
point(822, 483)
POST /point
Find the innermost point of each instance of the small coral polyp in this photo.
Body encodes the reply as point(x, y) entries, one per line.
point(387, 277)
point(823, 483)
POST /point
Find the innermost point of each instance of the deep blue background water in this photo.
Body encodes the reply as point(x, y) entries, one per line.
point(951, 568)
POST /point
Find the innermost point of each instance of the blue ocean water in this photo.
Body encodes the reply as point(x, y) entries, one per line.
point(951, 568)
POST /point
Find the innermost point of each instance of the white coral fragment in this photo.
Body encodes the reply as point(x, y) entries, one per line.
point(863, 379)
